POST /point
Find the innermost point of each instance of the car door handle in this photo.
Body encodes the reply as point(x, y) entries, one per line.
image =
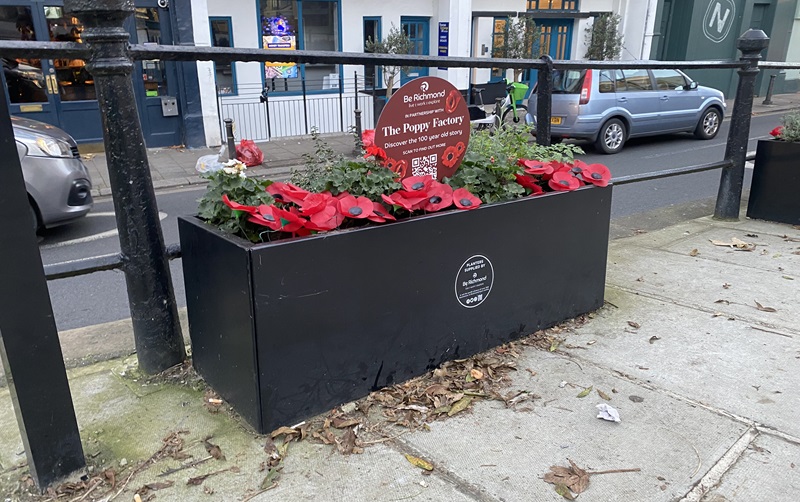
point(622, 100)
point(664, 98)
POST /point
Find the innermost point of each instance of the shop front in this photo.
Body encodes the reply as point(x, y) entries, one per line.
point(61, 91)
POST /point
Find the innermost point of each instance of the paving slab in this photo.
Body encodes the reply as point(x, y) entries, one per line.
point(768, 470)
point(504, 452)
point(725, 364)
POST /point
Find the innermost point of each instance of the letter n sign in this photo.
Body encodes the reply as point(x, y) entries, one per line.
point(718, 20)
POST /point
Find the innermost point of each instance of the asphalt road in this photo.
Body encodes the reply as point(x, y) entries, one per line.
point(101, 297)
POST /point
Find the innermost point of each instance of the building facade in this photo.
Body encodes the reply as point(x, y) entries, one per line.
point(707, 29)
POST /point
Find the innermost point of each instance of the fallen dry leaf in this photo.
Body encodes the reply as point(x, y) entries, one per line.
point(634, 324)
point(763, 308)
point(585, 392)
point(574, 478)
point(459, 405)
point(213, 449)
point(476, 373)
point(341, 423)
point(694, 252)
point(603, 395)
point(564, 492)
point(736, 244)
point(418, 462)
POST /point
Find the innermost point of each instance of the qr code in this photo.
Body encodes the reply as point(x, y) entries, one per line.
point(424, 166)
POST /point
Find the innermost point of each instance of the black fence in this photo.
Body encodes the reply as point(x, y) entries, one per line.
point(39, 369)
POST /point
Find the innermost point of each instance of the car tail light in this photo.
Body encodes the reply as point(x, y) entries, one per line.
point(586, 90)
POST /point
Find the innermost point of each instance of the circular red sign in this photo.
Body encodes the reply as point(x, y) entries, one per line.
point(424, 129)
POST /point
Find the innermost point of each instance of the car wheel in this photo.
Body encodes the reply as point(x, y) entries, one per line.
point(509, 120)
point(34, 217)
point(708, 127)
point(611, 137)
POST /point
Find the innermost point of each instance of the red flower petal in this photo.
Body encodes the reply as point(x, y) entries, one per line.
point(380, 214)
point(314, 203)
point(440, 196)
point(417, 183)
point(286, 192)
point(535, 166)
point(563, 181)
point(450, 156)
point(776, 133)
point(327, 219)
point(596, 174)
point(355, 207)
point(236, 206)
point(463, 199)
point(368, 138)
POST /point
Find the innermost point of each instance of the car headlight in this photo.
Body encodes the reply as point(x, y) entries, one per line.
point(52, 147)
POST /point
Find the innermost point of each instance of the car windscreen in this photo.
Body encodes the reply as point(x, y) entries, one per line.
point(568, 81)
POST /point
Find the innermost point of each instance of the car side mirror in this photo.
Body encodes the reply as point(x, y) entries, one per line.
point(692, 86)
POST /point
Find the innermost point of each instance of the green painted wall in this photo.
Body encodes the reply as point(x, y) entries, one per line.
point(691, 30)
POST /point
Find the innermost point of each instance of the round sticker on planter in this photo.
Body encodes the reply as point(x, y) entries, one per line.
point(424, 129)
point(474, 281)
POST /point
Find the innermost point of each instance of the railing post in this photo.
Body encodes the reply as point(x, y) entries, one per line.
point(31, 354)
point(544, 93)
point(729, 197)
point(770, 89)
point(154, 313)
point(230, 139)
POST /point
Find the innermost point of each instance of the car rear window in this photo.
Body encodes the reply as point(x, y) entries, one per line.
point(568, 81)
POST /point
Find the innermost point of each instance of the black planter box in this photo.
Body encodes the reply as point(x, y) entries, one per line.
point(287, 330)
point(776, 177)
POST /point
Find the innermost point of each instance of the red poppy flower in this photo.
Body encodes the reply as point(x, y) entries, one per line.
point(379, 213)
point(529, 183)
point(236, 206)
point(776, 133)
point(450, 156)
point(440, 196)
point(535, 166)
point(596, 174)
point(374, 151)
point(465, 200)
point(401, 168)
point(355, 207)
point(460, 147)
point(417, 183)
point(286, 192)
point(267, 216)
point(451, 102)
point(563, 181)
point(327, 219)
point(368, 138)
point(314, 203)
point(405, 199)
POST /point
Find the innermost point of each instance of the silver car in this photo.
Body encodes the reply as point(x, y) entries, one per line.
point(57, 181)
point(610, 106)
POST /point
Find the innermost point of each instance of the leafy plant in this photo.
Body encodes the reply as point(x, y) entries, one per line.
point(790, 130)
point(396, 42)
point(490, 164)
point(605, 42)
point(522, 41)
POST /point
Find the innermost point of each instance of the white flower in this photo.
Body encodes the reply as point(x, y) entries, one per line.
point(235, 167)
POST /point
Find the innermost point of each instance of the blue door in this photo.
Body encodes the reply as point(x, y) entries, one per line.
point(556, 41)
point(417, 29)
point(57, 91)
point(156, 80)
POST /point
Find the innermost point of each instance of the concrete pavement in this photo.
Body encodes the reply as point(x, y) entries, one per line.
point(697, 347)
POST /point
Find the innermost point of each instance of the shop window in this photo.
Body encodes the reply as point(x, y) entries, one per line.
point(499, 44)
point(24, 77)
point(311, 25)
point(154, 71)
point(74, 82)
point(225, 73)
point(372, 32)
point(553, 5)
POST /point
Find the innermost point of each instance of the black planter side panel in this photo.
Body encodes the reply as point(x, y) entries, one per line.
point(341, 315)
point(219, 301)
point(774, 192)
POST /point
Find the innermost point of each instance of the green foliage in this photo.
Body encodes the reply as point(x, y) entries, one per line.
point(791, 127)
point(326, 170)
point(490, 162)
point(605, 42)
point(396, 42)
point(248, 191)
point(522, 41)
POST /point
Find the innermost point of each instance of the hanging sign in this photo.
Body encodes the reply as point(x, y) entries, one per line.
point(424, 129)
point(444, 40)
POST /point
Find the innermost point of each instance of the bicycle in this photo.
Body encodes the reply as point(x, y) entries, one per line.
point(506, 113)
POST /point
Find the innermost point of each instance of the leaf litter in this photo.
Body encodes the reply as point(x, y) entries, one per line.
point(573, 480)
